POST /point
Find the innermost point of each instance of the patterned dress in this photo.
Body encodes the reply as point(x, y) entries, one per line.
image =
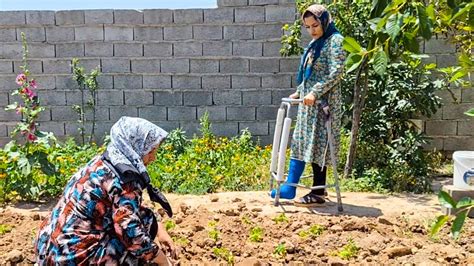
point(98, 220)
point(310, 134)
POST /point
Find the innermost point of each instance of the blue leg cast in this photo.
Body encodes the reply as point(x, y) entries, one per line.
point(294, 175)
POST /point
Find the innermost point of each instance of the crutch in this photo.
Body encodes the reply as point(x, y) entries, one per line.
point(280, 143)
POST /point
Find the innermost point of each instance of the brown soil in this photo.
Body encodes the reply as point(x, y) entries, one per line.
point(388, 229)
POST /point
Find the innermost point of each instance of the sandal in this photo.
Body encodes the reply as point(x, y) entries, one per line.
point(309, 200)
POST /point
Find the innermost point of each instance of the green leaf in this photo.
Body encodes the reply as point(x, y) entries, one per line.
point(378, 7)
point(446, 200)
point(440, 221)
point(458, 223)
point(24, 166)
point(464, 202)
point(457, 75)
point(461, 12)
point(353, 61)
point(380, 62)
point(470, 112)
point(12, 106)
point(424, 23)
point(351, 45)
point(452, 4)
point(393, 26)
point(430, 11)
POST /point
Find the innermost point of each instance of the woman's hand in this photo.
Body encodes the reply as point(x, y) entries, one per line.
point(295, 95)
point(309, 99)
point(166, 242)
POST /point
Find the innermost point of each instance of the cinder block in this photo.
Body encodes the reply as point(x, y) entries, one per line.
point(8, 116)
point(89, 33)
point(53, 66)
point(447, 97)
point(280, 13)
point(467, 95)
point(439, 46)
point(158, 16)
point(115, 65)
point(182, 113)
point(138, 98)
point(221, 48)
point(46, 82)
point(262, 2)
point(454, 111)
point(186, 82)
point(59, 34)
point(267, 112)
point(227, 129)
point(101, 114)
point(289, 65)
point(457, 194)
point(197, 98)
point(118, 111)
point(433, 144)
point(10, 51)
point(177, 33)
point(128, 82)
point(264, 65)
point(215, 82)
point(207, 32)
point(256, 98)
point(233, 65)
point(441, 128)
point(221, 15)
point(128, 49)
point(13, 18)
point(63, 113)
point(146, 66)
point(75, 96)
point(118, 33)
point(175, 66)
point(70, 17)
point(227, 97)
point(190, 128)
point(187, 49)
point(40, 17)
point(3, 132)
point(253, 49)
point(446, 60)
point(128, 17)
point(466, 128)
point(276, 81)
point(99, 16)
point(45, 115)
point(152, 113)
point(271, 48)
point(110, 97)
point(204, 66)
point(238, 32)
point(278, 94)
point(39, 50)
point(158, 49)
point(456, 143)
point(4, 98)
point(224, 3)
point(268, 31)
point(167, 125)
point(6, 67)
point(54, 97)
point(240, 113)
point(188, 16)
point(69, 50)
point(259, 128)
point(148, 33)
point(157, 81)
point(105, 81)
point(239, 81)
point(57, 128)
point(99, 49)
point(7, 82)
point(32, 34)
point(34, 66)
point(7, 35)
point(249, 14)
point(65, 82)
point(167, 98)
point(216, 113)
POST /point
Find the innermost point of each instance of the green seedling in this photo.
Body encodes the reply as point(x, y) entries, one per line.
point(280, 250)
point(281, 219)
point(224, 254)
point(5, 228)
point(348, 251)
point(169, 225)
point(256, 234)
point(314, 231)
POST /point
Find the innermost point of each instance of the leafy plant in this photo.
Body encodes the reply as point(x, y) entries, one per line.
point(281, 219)
point(182, 241)
point(314, 231)
point(463, 207)
point(256, 234)
point(349, 250)
point(246, 220)
point(170, 225)
point(5, 228)
point(87, 84)
point(224, 254)
point(280, 250)
point(213, 233)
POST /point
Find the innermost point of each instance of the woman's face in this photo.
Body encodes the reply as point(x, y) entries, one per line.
point(151, 156)
point(314, 27)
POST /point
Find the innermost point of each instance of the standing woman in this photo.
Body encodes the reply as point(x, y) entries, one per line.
point(319, 74)
point(100, 218)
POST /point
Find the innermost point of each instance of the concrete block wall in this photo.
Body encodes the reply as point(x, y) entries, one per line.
point(168, 66)
point(449, 129)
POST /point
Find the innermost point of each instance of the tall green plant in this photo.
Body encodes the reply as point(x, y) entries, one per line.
point(88, 86)
point(463, 207)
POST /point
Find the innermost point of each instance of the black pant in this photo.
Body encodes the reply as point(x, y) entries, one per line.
point(319, 178)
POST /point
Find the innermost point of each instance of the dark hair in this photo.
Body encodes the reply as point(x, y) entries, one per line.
point(308, 14)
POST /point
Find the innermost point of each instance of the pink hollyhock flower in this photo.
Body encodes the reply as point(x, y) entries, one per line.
point(29, 92)
point(33, 84)
point(20, 79)
point(19, 109)
point(31, 137)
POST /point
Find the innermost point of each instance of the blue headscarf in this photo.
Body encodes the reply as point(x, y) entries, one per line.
point(315, 46)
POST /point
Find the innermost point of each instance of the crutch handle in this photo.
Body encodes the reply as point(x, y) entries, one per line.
point(291, 100)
